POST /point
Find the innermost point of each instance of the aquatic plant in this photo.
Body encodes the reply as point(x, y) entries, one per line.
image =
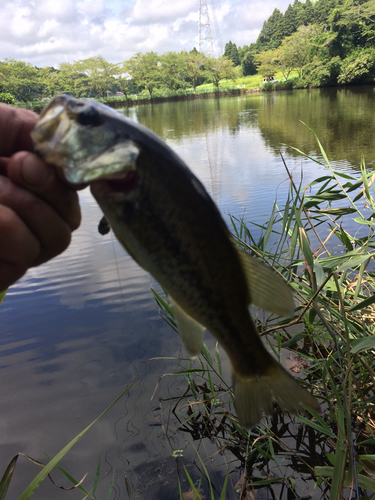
point(308, 242)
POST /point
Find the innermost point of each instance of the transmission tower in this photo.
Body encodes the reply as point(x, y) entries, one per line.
point(205, 37)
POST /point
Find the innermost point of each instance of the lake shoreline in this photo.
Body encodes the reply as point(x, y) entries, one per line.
point(190, 97)
point(126, 103)
point(121, 103)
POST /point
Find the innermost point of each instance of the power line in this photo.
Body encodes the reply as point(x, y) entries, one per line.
point(206, 45)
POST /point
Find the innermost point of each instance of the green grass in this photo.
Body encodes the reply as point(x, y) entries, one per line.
point(332, 336)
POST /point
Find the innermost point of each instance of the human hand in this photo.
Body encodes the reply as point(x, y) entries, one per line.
point(38, 211)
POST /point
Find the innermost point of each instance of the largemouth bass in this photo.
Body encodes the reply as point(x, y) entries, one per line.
point(162, 215)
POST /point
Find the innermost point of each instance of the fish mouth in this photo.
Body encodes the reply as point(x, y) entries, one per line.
point(51, 127)
point(78, 136)
point(125, 183)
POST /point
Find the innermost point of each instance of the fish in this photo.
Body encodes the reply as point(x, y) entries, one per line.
point(164, 218)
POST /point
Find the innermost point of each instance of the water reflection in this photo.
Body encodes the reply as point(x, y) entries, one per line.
point(342, 118)
point(77, 330)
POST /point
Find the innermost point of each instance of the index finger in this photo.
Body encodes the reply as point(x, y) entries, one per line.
point(15, 127)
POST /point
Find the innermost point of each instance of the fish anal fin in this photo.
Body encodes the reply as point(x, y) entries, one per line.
point(190, 331)
point(267, 290)
point(255, 394)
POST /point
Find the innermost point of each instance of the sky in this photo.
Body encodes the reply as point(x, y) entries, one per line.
point(49, 32)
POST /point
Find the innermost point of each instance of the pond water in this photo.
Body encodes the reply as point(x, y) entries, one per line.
point(77, 331)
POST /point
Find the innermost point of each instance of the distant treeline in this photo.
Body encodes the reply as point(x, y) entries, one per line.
point(328, 42)
point(96, 77)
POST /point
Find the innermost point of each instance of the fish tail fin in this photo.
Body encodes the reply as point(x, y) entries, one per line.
point(254, 394)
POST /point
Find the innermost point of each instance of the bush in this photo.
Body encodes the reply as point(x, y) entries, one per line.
point(299, 83)
point(285, 85)
point(7, 98)
point(320, 73)
point(358, 67)
point(268, 86)
point(288, 84)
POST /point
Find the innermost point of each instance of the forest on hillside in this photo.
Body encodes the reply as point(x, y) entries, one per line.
point(328, 42)
point(311, 44)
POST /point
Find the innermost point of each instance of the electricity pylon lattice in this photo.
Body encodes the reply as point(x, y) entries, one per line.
point(205, 37)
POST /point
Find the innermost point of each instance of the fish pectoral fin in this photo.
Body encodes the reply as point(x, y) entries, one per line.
point(104, 226)
point(190, 331)
point(267, 290)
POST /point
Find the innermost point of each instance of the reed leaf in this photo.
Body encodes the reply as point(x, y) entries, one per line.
point(7, 477)
point(32, 487)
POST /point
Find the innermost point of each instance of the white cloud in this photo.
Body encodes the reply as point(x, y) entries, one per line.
point(47, 32)
point(161, 11)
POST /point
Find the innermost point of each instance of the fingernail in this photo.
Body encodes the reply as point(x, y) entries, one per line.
point(34, 171)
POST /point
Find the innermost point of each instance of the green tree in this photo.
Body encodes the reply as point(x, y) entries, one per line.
point(228, 48)
point(298, 46)
point(123, 81)
point(289, 21)
point(144, 69)
point(70, 80)
point(354, 25)
point(308, 16)
point(323, 45)
point(358, 67)
point(267, 62)
point(234, 56)
point(99, 74)
point(173, 70)
point(57, 81)
point(285, 59)
point(231, 52)
point(7, 98)
point(271, 34)
point(218, 69)
point(272, 61)
point(322, 9)
point(320, 73)
point(194, 67)
point(303, 13)
point(19, 79)
point(248, 63)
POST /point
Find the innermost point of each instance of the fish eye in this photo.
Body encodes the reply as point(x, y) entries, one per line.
point(89, 116)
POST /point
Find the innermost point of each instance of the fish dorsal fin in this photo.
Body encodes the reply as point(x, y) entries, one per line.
point(190, 331)
point(267, 290)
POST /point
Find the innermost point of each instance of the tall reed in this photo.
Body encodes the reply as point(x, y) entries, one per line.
point(321, 241)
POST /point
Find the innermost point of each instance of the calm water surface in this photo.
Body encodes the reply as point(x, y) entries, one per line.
point(78, 330)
